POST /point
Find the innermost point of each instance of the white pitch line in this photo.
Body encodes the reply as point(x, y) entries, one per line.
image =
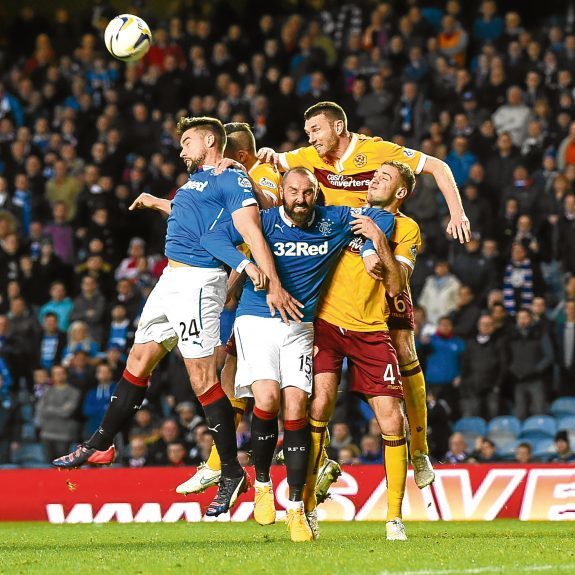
point(477, 570)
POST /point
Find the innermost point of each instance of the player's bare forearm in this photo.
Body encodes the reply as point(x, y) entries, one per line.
point(247, 222)
point(458, 226)
point(393, 276)
point(145, 200)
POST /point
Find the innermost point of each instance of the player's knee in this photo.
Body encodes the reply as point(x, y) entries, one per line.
point(268, 402)
point(406, 352)
point(321, 408)
point(138, 362)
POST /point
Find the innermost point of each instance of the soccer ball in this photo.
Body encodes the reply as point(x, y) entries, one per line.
point(127, 37)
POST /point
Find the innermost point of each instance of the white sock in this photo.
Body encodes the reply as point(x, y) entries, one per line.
point(294, 505)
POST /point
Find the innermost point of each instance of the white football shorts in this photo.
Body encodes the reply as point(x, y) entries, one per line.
point(267, 348)
point(184, 309)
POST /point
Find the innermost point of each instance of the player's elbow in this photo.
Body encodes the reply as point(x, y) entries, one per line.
point(436, 166)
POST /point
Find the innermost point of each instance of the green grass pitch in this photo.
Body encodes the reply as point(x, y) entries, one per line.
point(501, 546)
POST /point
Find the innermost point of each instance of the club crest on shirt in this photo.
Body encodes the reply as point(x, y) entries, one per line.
point(413, 251)
point(325, 227)
point(360, 160)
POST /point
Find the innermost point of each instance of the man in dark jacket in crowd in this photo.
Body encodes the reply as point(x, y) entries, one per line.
point(482, 371)
point(529, 355)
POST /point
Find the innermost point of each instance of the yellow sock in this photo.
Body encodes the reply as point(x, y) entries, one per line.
point(239, 406)
point(317, 456)
point(395, 461)
point(214, 462)
point(415, 405)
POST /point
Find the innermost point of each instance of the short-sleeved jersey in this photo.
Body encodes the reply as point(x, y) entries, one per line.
point(267, 177)
point(303, 256)
point(345, 183)
point(352, 299)
point(203, 201)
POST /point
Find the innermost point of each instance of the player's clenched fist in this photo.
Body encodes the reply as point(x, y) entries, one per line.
point(259, 279)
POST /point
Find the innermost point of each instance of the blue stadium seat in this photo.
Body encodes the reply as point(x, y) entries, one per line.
point(563, 406)
point(544, 449)
point(471, 428)
point(505, 446)
point(539, 427)
point(567, 423)
point(504, 425)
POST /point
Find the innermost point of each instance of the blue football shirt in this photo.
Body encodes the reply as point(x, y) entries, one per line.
point(203, 201)
point(303, 256)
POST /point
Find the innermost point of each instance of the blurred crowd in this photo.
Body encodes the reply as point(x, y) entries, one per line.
point(81, 135)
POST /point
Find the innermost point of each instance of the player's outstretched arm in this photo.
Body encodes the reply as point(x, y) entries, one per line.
point(221, 243)
point(145, 200)
point(247, 222)
point(458, 226)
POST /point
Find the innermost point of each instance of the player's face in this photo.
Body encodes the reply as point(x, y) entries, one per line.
point(322, 135)
point(194, 149)
point(299, 197)
point(384, 186)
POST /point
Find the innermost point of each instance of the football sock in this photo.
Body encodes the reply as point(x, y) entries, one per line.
point(296, 453)
point(264, 441)
point(317, 455)
point(220, 419)
point(415, 405)
point(239, 406)
point(126, 400)
point(395, 461)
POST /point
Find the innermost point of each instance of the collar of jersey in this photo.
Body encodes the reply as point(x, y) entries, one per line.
point(347, 153)
point(290, 223)
point(203, 168)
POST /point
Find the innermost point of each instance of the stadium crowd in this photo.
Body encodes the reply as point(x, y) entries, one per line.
point(81, 135)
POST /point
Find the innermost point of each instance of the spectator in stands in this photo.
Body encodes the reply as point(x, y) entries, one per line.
point(340, 437)
point(145, 425)
point(464, 317)
point(500, 165)
point(169, 433)
point(460, 159)
point(438, 426)
point(89, 307)
point(55, 410)
point(176, 455)
point(52, 342)
point(566, 233)
point(10, 422)
point(137, 454)
point(59, 304)
point(564, 453)
point(486, 451)
point(523, 453)
point(61, 232)
point(97, 399)
point(518, 280)
point(443, 371)
point(439, 294)
point(349, 455)
point(458, 452)
point(482, 372)
point(371, 453)
point(512, 116)
point(566, 151)
point(188, 420)
point(79, 339)
point(529, 357)
point(565, 337)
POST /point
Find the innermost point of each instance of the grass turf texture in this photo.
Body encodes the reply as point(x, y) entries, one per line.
point(502, 546)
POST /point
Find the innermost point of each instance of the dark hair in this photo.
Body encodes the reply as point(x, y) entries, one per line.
point(405, 173)
point(239, 137)
point(331, 110)
point(525, 444)
point(206, 124)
